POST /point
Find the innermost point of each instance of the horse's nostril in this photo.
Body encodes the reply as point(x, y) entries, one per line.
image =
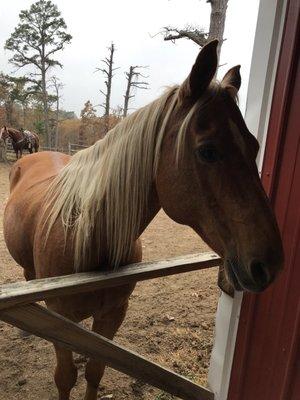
point(259, 273)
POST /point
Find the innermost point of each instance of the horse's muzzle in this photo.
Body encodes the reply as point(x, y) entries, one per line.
point(255, 279)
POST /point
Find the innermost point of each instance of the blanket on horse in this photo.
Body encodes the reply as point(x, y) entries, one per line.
point(30, 139)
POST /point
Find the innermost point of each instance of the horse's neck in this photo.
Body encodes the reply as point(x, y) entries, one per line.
point(152, 208)
point(15, 135)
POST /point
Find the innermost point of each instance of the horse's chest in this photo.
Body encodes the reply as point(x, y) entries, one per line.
point(96, 303)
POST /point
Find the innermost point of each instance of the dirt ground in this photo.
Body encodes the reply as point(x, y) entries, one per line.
point(170, 321)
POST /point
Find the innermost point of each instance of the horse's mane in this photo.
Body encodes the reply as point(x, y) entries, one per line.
point(102, 192)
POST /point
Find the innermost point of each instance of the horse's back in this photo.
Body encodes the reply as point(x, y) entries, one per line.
point(33, 169)
point(36, 139)
point(29, 179)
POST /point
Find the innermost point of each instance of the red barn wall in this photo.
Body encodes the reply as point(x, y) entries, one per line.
point(266, 363)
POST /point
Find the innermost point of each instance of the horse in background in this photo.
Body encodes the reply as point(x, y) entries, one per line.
point(20, 140)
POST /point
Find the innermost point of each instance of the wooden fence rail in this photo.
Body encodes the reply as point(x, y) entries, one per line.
point(71, 149)
point(39, 289)
point(57, 329)
point(53, 327)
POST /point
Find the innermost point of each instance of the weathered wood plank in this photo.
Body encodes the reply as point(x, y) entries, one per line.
point(53, 327)
point(40, 289)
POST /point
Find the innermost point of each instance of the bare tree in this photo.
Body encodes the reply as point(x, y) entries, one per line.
point(108, 71)
point(57, 86)
point(189, 32)
point(198, 35)
point(133, 82)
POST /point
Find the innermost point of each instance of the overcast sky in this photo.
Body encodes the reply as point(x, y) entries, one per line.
point(94, 24)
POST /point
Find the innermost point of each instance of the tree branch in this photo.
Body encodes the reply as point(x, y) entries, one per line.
point(195, 34)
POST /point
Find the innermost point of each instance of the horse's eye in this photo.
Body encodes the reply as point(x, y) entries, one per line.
point(208, 153)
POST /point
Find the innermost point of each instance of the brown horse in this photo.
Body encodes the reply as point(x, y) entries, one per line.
point(190, 153)
point(20, 140)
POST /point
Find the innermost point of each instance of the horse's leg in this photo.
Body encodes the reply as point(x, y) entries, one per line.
point(65, 372)
point(29, 274)
point(107, 325)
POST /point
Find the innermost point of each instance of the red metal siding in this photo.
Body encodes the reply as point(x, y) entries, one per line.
point(267, 358)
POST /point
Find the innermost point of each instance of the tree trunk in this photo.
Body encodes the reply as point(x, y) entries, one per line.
point(56, 133)
point(109, 84)
point(44, 93)
point(127, 94)
point(24, 109)
point(217, 21)
point(81, 134)
point(9, 107)
point(109, 80)
point(132, 77)
point(56, 119)
point(45, 107)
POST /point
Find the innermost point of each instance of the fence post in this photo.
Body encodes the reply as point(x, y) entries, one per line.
point(69, 147)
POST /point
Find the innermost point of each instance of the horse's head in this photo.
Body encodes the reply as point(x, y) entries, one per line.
point(210, 181)
point(4, 134)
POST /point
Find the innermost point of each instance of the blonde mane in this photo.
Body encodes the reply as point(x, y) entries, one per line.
point(102, 192)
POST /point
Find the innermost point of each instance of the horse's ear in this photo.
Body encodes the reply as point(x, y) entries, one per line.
point(202, 72)
point(232, 81)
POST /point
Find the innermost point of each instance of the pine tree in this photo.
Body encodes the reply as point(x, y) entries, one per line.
point(13, 90)
point(40, 33)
